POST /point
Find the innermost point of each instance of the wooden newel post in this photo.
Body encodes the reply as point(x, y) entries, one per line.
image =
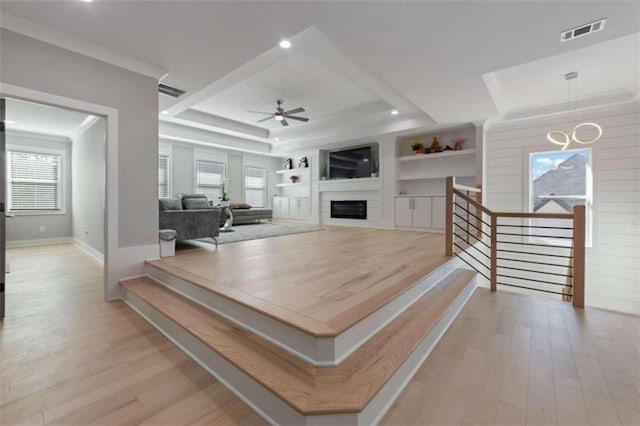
point(494, 252)
point(449, 218)
point(579, 226)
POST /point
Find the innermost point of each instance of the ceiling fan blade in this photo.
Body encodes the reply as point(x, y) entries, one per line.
point(297, 118)
point(294, 111)
point(265, 119)
point(284, 123)
point(260, 112)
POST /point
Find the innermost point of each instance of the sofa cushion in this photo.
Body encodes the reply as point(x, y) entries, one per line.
point(170, 204)
point(194, 201)
point(239, 205)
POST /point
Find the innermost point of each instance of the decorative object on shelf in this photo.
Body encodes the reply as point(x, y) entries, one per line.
point(417, 147)
point(224, 189)
point(435, 145)
point(303, 163)
point(564, 139)
point(374, 169)
point(457, 144)
point(325, 172)
point(288, 164)
point(293, 179)
point(448, 148)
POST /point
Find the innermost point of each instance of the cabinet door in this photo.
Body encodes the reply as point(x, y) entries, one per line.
point(422, 212)
point(403, 211)
point(304, 208)
point(281, 207)
point(294, 208)
point(438, 212)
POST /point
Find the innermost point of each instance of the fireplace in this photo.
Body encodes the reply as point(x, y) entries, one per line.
point(350, 209)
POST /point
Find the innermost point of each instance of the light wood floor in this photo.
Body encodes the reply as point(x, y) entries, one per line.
point(320, 282)
point(70, 358)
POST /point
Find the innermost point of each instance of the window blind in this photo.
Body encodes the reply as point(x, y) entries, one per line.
point(209, 177)
point(255, 185)
point(163, 176)
point(34, 181)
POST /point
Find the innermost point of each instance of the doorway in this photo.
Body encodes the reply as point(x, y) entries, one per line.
point(53, 190)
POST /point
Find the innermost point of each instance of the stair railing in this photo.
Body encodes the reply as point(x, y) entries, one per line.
point(543, 252)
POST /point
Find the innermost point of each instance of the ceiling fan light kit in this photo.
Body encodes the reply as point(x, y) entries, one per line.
point(281, 115)
point(564, 139)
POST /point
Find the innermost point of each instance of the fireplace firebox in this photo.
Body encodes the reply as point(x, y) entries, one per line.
point(349, 209)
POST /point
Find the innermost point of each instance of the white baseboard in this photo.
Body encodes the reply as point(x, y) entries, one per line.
point(38, 242)
point(95, 254)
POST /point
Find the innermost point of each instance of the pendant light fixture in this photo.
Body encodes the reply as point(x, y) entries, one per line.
point(564, 139)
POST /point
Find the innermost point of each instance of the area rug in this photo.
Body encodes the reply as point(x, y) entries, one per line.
point(258, 231)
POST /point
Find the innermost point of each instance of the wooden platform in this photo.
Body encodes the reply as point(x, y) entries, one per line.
point(310, 390)
point(322, 282)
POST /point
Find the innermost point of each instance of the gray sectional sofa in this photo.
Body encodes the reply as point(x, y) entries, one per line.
point(190, 216)
point(246, 216)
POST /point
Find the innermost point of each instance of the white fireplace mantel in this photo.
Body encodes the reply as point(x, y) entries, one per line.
point(345, 185)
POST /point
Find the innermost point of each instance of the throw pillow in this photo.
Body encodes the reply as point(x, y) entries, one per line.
point(170, 204)
point(239, 205)
point(195, 203)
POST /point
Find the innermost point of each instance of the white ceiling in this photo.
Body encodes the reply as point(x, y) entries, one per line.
point(301, 80)
point(428, 57)
point(47, 120)
point(607, 72)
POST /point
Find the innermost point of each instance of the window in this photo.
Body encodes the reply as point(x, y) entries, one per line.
point(209, 178)
point(34, 181)
point(255, 186)
point(163, 176)
point(560, 180)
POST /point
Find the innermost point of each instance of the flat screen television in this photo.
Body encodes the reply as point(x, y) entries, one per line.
point(350, 163)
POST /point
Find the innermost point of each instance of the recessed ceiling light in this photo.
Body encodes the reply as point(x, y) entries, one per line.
point(165, 112)
point(9, 122)
point(394, 112)
point(285, 44)
point(276, 139)
point(87, 1)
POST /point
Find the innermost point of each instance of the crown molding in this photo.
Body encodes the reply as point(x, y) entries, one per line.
point(56, 38)
point(22, 133)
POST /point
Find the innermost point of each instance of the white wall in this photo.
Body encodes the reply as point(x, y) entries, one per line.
point(88, 186)
point(182, 176)
point(613, 263)
point(25, 228)
point(131, 101)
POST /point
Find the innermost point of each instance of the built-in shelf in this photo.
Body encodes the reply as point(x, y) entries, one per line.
point(280, 185)
point(299, 169)
point(420, 177)
point(419, 157)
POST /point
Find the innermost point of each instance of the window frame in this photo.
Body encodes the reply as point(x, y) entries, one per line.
point(198, 159)
point(62, 179)
point(588, 197)
point(169, 174)
point(264, 188)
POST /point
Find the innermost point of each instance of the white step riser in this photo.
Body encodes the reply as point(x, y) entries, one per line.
point(319, 351)
point(271, 407)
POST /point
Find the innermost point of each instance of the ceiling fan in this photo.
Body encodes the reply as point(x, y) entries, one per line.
point(281, 115)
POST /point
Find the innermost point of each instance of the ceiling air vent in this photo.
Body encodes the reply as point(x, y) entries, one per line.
point(174, 92)
point(583, 30)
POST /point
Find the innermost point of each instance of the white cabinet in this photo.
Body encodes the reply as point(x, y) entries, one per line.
point(424, 212)
point(280, 207)
point(413, 212)
point(438, 212)
point(296, 208)
point(299, 208)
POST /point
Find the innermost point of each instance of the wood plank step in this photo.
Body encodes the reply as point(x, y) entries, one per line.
point(310, 390)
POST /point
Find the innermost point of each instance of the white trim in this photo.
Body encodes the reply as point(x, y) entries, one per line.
point(64, 176)
point(113, 263)
point(38, 242)
point(55, 38)
point(93, 253)
point(19, 133)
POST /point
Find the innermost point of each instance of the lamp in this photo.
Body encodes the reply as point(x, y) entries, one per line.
point(564, 139)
